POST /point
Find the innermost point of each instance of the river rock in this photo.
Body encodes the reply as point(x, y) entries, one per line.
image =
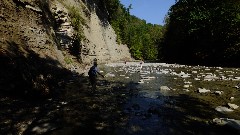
point(63, 103)
point(197, 79)
point(237, 78)
point(207, 69)
point(231, 98)
point(230, 122)
point(184, 75)
point(203, 90)
point(233, 106)
point(223, 109)
point(188, 82)
point(210, 78)
point(146, 78)
point(194, 72)
point(140, 81)
point(43, 128)
point(187, 90)
point(218, 92)
point(164, 88)
point(110, 75)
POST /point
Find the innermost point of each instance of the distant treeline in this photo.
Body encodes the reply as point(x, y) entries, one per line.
point(196, 32)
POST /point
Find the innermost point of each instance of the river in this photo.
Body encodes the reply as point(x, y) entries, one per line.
point(135, 99)
point(170, 98)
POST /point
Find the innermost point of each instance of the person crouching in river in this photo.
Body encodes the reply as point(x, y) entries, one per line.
point(92, 73)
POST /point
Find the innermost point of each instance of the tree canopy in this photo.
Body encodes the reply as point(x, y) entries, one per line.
point(203, 32)
point(196, 32)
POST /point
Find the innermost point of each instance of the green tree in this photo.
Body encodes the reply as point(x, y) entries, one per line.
point(141, 38)
point(201, 31)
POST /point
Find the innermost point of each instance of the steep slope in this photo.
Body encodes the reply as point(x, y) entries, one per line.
point(41, 41)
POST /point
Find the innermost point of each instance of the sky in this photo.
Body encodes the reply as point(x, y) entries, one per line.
point(153, 11)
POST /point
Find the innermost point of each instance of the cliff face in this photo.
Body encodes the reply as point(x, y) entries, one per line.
point(98, 39)
point(40, 38)
point(51, 29)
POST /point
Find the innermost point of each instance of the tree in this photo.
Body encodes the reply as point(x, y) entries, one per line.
point(141, 38)
point(200, 31)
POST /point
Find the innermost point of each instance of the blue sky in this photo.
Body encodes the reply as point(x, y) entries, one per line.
point(153, 11)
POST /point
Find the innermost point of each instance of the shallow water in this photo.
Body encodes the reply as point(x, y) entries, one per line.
point(181, 109)
point(157, 99)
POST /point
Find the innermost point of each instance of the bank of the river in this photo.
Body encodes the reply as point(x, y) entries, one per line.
point(152, 98)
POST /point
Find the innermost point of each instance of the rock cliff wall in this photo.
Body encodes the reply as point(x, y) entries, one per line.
point(44, 42)
point(72, 32)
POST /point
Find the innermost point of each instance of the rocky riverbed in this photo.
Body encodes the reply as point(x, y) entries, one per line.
point(134, 98)
point(180, 99)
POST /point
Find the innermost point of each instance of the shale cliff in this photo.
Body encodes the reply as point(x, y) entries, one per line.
point(42, 40)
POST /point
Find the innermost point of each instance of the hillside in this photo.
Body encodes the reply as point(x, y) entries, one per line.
point(41, 41)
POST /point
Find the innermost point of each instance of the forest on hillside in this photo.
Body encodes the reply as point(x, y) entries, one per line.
point(142, 38)
point(195, 32)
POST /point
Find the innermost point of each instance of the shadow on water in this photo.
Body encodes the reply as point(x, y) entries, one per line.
point(25, 74)
point(40, 97)
point(98, 112)
point(172, 115)
point(31, 88)
point(189, 115)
